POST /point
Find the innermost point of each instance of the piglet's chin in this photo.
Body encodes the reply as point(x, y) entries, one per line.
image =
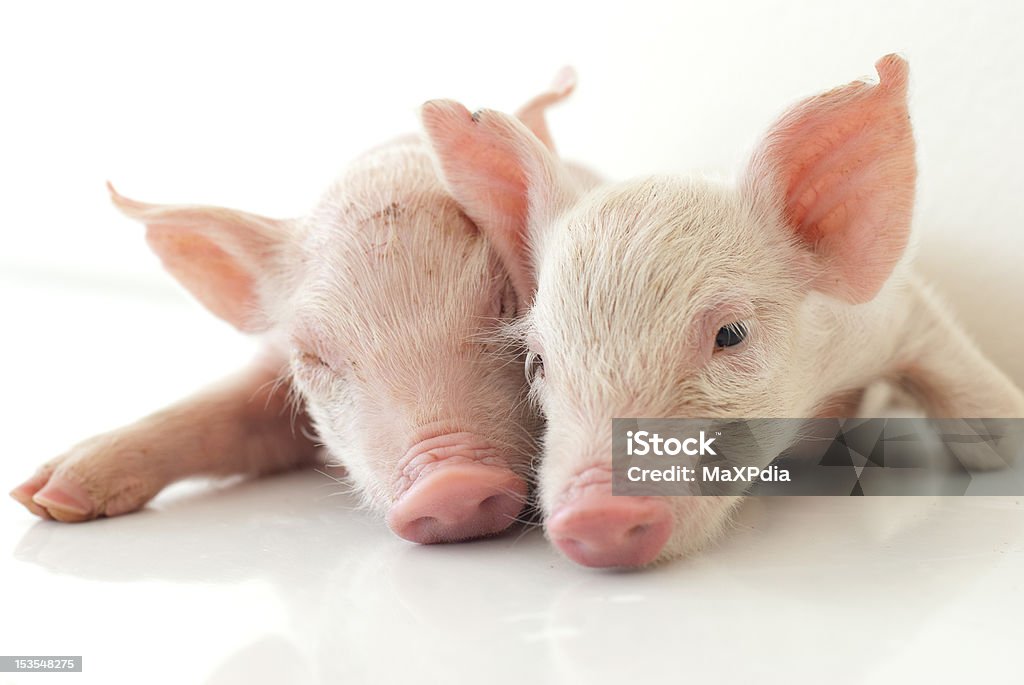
point(452, 489)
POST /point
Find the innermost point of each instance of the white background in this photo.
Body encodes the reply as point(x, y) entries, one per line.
point(258, 106)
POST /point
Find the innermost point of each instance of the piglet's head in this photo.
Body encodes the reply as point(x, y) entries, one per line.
point(388, 300)
point(668, 296)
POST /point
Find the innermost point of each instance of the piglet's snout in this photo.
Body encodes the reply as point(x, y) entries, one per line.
point(455, 495)
point(458, 501)
point(597, 529)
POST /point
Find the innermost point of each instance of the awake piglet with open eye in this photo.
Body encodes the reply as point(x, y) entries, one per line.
point(380, 310)
point(784, 295)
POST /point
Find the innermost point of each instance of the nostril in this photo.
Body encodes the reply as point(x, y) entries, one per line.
point(458, 501)
point(638, 531)
point(492, 503)
point(602, 530)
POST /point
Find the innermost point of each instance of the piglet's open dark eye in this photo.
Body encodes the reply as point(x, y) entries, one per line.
point(534, 367)
point(731, 335)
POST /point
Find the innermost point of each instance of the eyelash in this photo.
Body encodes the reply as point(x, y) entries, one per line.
point(313, 367)
point(534, 367)
point(731, 335)
point(508, 305)
point(310, 359)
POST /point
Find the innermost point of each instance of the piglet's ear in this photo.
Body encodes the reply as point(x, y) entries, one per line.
point(840, 167)
point(505, 178)
point(229, 260)
point(533, 112)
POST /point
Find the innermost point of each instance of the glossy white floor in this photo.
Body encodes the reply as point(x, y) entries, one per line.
point(279, 581)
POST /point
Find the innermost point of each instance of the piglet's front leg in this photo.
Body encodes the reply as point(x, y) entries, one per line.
point(241, 425)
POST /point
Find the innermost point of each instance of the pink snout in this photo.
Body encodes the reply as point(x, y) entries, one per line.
point(597, 529)
point(458, 501)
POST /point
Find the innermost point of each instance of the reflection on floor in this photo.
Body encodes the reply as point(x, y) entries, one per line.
point(282, 580)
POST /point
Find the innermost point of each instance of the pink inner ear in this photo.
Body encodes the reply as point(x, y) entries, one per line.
point(533, 112)
point(484, 160)
point(844, 161)
point(217, 254)
point(209, 273)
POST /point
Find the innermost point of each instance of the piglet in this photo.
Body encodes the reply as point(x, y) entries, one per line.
point(785, 294)
point(380, 310)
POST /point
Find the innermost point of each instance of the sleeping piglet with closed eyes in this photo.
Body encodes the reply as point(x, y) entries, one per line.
point(380, 310)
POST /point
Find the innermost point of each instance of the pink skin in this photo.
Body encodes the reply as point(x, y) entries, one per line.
point(594, 528)
point(238, 426)
point(453, 487)
point(381, 311)
point(624, 287)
